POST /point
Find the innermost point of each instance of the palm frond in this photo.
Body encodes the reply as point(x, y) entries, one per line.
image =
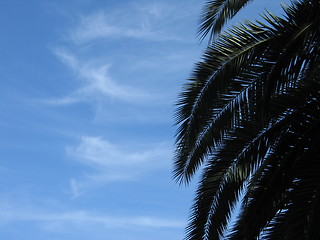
point(215, 15)
point(250, 114)
point(288, 168)
point(224, 178)
point(210, 101)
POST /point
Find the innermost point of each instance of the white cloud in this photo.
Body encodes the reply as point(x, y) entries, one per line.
point(71, 220)
point(134, 22)
point(155, 10)
point(76, 188)
point(150, 21)
point(96, 82)
point(109, 162)
point(97, 152)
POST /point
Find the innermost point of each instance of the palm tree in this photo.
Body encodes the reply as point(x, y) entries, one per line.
point(249, 117)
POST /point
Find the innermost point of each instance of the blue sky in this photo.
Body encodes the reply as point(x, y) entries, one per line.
point(87, 96)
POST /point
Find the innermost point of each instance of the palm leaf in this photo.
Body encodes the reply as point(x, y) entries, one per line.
point(247, 113)
point(215, 15)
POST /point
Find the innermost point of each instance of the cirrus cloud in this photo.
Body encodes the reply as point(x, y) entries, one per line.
point(109, 162)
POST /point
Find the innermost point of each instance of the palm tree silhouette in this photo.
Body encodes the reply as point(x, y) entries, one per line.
point(249, 117)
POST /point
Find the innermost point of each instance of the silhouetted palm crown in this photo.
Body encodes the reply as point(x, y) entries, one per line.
point(250, 115)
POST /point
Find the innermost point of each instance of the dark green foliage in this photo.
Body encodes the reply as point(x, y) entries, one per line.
point(216, 13)
point(250, 114)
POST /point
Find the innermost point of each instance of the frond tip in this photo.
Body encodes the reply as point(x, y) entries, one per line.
point(216, 14)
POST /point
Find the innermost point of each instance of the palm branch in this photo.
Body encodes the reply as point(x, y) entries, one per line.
point(249, 113)
point(215, 15)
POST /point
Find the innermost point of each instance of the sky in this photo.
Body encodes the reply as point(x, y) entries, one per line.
point(87, 98)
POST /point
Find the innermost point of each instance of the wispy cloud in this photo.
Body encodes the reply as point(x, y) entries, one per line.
point(95, 82)
point(98, 152)
point(146, 23)
point(120, 27)
point(110, 162)
point(69, 220)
